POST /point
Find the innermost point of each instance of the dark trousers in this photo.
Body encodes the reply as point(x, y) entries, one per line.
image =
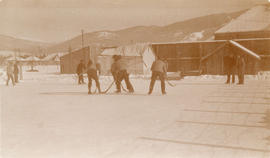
point(10, 77)
point(16, 77)
point(119, 78)
point(161, 76)
point(92, 75)
point(241, 77)
point(80, 79)
point(230, 72)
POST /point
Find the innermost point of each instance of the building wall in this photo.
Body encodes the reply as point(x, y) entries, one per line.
point(134, 64)
point(185, 57)
point(148, 59)
point(242, 35)
point(105, 63)
point(70, 61)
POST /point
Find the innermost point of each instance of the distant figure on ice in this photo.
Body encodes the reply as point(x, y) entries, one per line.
point(16, 72)
point(119, 71)
point(92, 70)
point(241, 65)
point(159, 69)
point(80, 69)
point(230, 67)
point(10, 70)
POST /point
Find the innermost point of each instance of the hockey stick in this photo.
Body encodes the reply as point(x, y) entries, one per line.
point(169, 83)
point(124, 88)
point(108, 88)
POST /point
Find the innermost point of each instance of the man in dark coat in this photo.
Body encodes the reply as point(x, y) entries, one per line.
point(119, 71)
point(241, 65)
point(159, 69)
point(92, 73)
point(230, 67)
point(16, 72)
point(80, 70)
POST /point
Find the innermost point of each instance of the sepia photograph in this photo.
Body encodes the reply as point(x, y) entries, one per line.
point(134, 78)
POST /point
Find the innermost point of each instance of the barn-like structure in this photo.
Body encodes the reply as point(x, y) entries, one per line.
point(195, 58)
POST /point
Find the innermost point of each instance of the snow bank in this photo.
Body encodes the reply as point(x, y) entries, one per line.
point(106, 35)
point(3, 76)
point(195, 36)
point(260, 76)
point(178, 34)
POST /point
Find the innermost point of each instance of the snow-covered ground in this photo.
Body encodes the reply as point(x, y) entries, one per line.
point(48, 115)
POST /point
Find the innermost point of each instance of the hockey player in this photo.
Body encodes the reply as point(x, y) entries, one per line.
point(119, 70)
point(80, 70)
point(159, 69)
point(16, 72)
point(92, 72)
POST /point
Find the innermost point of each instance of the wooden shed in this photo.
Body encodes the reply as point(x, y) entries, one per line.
point(70, 61)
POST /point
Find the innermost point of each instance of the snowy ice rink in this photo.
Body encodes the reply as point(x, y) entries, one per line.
point(47, 115)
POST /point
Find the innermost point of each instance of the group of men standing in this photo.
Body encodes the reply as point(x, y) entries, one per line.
point(235, 64)
point(119, 71)
point(12, 73)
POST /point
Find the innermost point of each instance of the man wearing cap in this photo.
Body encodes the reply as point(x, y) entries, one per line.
point(159, 69)
point(119, 70)
point(80, 69)
point(92, 71)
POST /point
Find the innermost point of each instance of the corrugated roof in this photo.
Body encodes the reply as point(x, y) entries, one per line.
point(129, 50)
point(255, 19)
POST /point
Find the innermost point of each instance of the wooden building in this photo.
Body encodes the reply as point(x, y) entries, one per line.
point(254, 23)
point(70, 61)
point(249, 35)
point(195, 58)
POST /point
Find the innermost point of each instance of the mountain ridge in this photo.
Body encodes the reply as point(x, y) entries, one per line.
point(195, 29)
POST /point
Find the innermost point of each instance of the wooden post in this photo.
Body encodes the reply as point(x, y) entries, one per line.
point(200, 64)
point(84, 56)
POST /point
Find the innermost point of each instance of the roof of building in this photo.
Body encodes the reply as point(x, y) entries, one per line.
point(32, 58)
point(128, 50)
point(255, 19)
point(52, 57)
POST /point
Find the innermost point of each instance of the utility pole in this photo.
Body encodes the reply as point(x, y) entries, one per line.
point(83, 45)
point(82, 39)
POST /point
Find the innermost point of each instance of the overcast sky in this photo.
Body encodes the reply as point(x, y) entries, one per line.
point(59, 20)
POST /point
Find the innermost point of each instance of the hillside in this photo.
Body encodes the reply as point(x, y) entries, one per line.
point(201, 28)
point(12, 44)
point(197, 29)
